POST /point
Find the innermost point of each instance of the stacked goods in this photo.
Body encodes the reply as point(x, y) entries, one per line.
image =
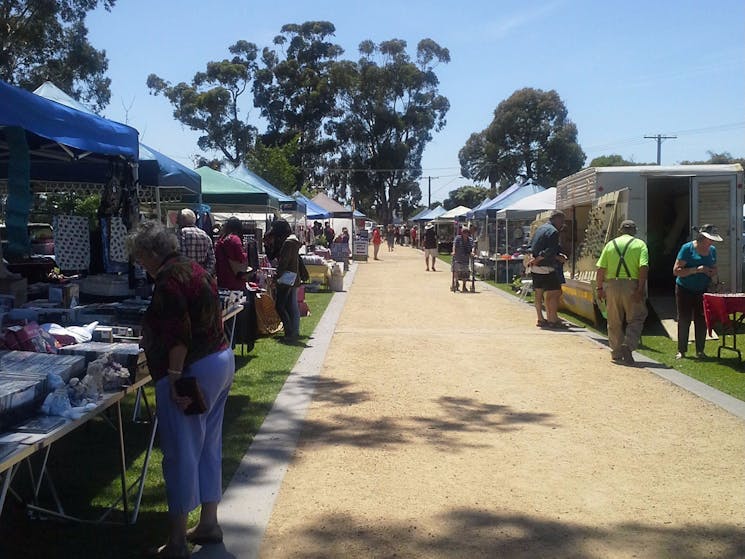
point(24, 381)
point(130, 355)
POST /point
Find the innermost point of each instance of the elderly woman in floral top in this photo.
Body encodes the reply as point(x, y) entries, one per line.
point(182, 335)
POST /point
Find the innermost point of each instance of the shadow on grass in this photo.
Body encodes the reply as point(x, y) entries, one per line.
point(472, 533)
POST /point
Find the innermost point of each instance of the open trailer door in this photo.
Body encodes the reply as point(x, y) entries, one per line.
point(714, 200)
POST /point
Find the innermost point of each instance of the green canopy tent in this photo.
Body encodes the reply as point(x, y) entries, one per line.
point(224, 193)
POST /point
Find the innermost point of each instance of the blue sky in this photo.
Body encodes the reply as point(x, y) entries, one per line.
point(624, 69)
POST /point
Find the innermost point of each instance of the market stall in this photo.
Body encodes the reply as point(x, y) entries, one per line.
point(160, 178)
point(521, 213)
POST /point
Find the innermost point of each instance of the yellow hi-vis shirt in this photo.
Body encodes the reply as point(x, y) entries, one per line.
point(635, 256)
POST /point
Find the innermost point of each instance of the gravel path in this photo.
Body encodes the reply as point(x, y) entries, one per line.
point(447, 425)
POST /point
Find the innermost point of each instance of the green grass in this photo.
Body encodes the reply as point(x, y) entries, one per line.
point(85, 468)
point(725, 374)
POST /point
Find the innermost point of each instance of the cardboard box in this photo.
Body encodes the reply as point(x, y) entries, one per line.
point(66, 294)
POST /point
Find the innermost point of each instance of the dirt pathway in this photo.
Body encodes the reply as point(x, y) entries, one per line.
point(448, 425)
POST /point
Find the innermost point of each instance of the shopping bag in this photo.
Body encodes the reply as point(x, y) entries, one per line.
point(267, 319)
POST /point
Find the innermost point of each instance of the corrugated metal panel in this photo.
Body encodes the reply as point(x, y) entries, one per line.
point(577, 189)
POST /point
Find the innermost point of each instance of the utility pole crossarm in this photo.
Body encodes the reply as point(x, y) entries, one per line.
point(659, 138)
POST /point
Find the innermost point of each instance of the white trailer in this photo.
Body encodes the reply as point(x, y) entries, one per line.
point(665, 203)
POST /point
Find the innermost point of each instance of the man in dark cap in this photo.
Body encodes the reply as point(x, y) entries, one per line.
point(621, 280)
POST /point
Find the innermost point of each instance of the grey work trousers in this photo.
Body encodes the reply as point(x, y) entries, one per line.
point(621, 307)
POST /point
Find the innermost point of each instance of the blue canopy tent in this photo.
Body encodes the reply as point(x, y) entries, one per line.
point(431, 214)
point(483, 204)
point(42, 140)
point(505, 200)
point(312, 210)
point(155, 170)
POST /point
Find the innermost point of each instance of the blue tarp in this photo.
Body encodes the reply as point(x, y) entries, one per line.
point(312, 210)
point(155, 169)
point(67, 126)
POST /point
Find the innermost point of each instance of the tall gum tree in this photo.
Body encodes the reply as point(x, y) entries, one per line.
point(391, 106)
point(212, 102)
point(295, 92)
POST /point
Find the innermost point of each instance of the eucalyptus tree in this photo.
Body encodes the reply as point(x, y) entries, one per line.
point(47, 40)
point(215, 102)
point(295, 92)
point(391, 106)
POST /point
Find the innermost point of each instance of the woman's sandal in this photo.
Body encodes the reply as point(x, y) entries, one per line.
point(204, 538)
point(559, 325)
point(542, 323)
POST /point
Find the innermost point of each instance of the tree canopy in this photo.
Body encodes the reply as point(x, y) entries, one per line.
point(530, 137)
point(468, 196)
point(211, 104)
point(391, 106)
point(47, 40)
point(716, 159)
point(297, 94)
point(357, 128)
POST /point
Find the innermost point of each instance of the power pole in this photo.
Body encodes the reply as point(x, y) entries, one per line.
point(659, 138)
point(429, 192)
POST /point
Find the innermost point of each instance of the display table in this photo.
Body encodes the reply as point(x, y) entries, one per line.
point(30, 444)
point(723, 309)
point(507, 268)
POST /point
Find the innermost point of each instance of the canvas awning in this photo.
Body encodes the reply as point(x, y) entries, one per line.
point(331, 205)
point(529, 206)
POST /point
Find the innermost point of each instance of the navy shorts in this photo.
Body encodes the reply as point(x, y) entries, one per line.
point(547, 282)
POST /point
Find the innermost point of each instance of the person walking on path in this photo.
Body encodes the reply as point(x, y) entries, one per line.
point(195, 243)
point(462, 252)
point(621, 280)
point(413, 236)
point(390, 236)
point(546, 258)
point(430, 245)
point(694, 269)
point(376, 241)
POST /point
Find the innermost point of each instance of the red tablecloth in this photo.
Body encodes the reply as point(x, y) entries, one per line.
point(719, 308)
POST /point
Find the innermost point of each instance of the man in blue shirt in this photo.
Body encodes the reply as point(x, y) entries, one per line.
point(546, 258)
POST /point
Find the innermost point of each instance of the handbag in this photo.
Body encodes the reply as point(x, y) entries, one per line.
point(287, 278)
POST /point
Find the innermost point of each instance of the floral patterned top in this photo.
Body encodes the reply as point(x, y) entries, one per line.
point(185, 309)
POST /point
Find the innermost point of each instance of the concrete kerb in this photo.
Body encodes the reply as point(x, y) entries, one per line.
point(248, 501)
point(725, 401)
